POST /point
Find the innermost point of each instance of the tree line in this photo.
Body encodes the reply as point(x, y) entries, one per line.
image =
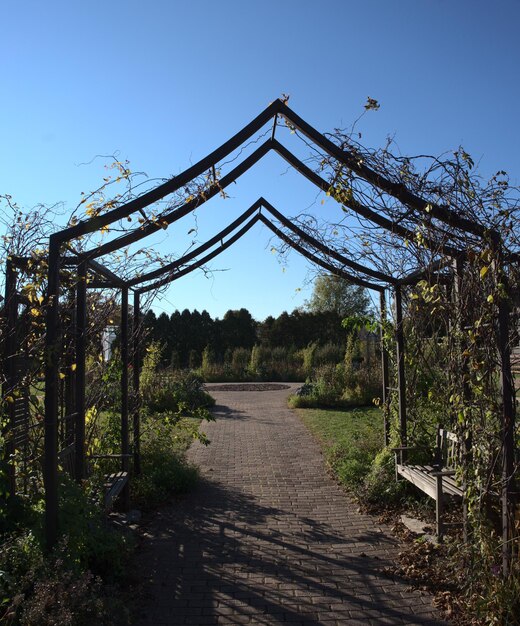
point(184, 335)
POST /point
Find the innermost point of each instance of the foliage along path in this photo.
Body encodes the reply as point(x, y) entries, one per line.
point(268, 537)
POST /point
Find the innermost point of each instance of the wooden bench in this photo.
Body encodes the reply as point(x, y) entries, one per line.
point(437, 480)
point(113, 484)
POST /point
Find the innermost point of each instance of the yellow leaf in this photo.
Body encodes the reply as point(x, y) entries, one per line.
point(490, 299)
point(73, 367)
point(9, 399)
point(484, 270)
point(61, 375)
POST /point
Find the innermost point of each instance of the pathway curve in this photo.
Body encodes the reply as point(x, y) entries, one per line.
point(267, 537)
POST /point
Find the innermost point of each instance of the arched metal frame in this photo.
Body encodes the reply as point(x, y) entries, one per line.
point(278, 108)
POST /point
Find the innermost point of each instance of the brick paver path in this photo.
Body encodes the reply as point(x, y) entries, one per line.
point(268, 537)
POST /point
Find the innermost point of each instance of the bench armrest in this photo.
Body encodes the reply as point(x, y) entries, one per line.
point(110, 456)
point(444, 473)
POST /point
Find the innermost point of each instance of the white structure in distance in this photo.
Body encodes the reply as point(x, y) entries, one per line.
point(107, 339)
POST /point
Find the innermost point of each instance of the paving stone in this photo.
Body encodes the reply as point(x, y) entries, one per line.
point(268, 537)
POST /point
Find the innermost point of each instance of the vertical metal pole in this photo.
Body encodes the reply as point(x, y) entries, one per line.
point(125, 442)
point(401, 380)
point(10, 348)
point(81, 338)
point(70, 377)
point(384, 369)
point(136, 377)
point(462, 367)
point(52, 360)
point(508, 434)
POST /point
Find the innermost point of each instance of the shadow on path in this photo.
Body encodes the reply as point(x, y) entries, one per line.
point(267, 538)
point(218, 553)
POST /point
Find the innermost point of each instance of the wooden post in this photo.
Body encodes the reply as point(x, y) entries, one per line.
point(401, 379)
point(384, 369)
point(136, 381)
point(81, 332)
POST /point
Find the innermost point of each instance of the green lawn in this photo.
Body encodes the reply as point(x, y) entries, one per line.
point(343, 425)
point(350, 439)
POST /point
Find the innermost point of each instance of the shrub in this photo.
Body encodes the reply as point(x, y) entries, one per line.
point(240, 359)
point(379, 487)
point(178, 391)
point(67, 586)
point(328, 354)
point(208, 362)
point(350, 464)
point(68, 599)
point(164, 468)
point(151, 362)
point(361, 376)
point(323, 389)
point(91, 542)
point(308, 358)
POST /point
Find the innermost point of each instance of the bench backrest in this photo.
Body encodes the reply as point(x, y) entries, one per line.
point(66, 459)
point(448, 448)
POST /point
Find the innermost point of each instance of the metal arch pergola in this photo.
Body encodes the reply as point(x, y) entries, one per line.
point(348, 269)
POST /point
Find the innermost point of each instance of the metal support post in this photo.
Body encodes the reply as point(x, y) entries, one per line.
point(125, 441)
point(8, 387)
point(52, 361)
point(401, 379)
point(81, 332)
point(508, 435)
point(136, 381)
point(384, 370)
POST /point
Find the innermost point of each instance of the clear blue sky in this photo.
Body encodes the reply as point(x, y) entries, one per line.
point(165, 82)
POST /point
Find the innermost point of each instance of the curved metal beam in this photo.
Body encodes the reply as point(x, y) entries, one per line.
point(357, 207)
point(199, 250)
point(147, 229)
point(312, 257)
point(271, 144)
point(175, 183)
point(203, 260)
point(296, 246)
point(256, 206)
point(396, 190)
point(348, 159)
point(330, 252)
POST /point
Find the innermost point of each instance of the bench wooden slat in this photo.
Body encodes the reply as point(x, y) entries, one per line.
point(422, 478)
point(114, 485)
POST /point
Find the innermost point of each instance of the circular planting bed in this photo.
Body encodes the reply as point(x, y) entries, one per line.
point(247, 387)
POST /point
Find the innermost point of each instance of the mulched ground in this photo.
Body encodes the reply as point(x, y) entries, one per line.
point(247, 387)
